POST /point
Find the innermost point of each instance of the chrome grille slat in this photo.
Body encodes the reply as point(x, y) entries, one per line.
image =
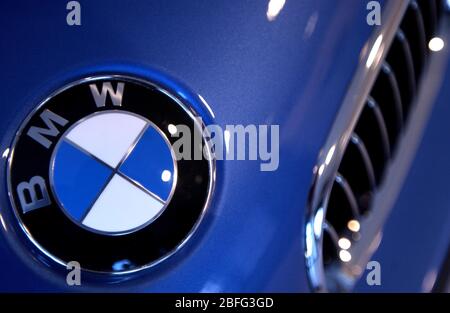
point(397, 100)
point(385, 92)
point(415, 32)
point(429, 14)
point(382, 126)
point(401, 60)
point(328, 227)
point(340, 180)
point(355, 140)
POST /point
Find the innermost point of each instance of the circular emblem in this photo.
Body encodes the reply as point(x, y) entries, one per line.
point(94, 176)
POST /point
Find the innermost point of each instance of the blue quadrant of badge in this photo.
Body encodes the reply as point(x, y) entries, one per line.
point(151, 164)
point(78, 179)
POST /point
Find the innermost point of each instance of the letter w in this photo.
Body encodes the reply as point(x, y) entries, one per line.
point(100, 98)
point(39, 133)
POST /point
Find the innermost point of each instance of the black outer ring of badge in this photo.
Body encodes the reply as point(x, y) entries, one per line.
point(59, 238)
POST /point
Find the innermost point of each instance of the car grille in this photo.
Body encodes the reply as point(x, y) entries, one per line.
point(373, 141)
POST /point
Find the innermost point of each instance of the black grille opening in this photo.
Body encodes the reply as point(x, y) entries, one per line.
point(402, 64)
point(414, 29)
point(343, 205)
point(329, 247)
point(429, 15)
point(387, 94)
point(372, 131)
point(439, 8)
point(357, 172)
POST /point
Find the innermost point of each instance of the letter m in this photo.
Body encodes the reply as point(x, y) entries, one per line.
point(50, 119)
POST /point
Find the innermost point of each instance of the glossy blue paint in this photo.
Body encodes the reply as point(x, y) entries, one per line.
point(235, 67)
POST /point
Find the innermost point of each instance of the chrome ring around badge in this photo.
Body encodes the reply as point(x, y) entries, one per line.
point(93, 176)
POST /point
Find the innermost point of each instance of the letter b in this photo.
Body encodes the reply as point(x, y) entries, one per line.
point(37, 193)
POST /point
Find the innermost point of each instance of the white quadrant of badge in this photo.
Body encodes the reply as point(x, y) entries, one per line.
point(113, 172)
